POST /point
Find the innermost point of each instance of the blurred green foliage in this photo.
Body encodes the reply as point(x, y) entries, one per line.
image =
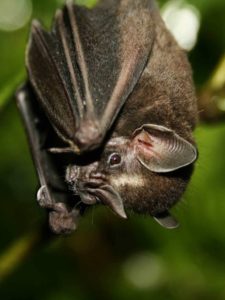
point(108, 258)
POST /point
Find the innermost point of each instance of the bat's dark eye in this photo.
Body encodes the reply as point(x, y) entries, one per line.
point(114, 159)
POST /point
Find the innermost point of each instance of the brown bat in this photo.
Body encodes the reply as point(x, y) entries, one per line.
point(110, 99)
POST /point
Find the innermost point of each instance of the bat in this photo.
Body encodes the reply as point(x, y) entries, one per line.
point(109, 109)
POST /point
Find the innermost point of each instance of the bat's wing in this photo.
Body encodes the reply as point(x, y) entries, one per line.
point(84, 70)
point(53, 193)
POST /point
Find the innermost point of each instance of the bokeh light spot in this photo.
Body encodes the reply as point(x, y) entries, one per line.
point(88, 3)
point(183, 20)
point(14, 14)
point(220, 102)
point(144, 271)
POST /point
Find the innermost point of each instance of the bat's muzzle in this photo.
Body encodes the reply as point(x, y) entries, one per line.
point(86, 190)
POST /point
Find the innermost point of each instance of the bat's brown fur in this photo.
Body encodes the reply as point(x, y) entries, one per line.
point(100, 75)
point(164, 95)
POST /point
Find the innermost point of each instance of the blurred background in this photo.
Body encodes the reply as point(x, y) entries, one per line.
point(107, 258)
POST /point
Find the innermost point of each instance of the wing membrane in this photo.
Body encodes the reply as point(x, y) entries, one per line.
point(84, 70)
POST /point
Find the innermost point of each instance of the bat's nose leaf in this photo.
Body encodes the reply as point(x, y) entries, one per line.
point(166, 220)
point(111, 198)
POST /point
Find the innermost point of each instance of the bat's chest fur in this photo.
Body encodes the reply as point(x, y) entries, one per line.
point(152, 193)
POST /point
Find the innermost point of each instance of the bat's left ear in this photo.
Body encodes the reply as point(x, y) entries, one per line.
point(161, 150)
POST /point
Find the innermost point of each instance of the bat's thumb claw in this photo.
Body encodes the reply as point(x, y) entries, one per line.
point(43, 198)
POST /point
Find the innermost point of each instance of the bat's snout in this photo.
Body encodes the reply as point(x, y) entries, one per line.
point(86, 190)
point(84, 181)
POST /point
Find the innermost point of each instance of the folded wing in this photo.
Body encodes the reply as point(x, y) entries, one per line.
point(86, 67)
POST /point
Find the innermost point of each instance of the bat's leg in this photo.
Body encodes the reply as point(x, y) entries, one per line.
point(62, 220)
point(53, 194)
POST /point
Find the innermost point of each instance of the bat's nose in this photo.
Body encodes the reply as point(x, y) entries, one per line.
point(90, 182)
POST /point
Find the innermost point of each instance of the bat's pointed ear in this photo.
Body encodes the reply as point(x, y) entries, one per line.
point(161, 150)
point(166, 220)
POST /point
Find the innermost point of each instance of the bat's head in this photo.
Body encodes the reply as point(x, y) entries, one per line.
point(147, 172)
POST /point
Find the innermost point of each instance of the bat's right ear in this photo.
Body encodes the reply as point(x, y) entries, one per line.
point(161, 150)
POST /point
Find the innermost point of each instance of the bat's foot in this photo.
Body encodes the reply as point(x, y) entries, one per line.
point(61, 219)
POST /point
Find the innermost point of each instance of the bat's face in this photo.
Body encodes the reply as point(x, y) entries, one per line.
point(105, 180)
point(140, 173)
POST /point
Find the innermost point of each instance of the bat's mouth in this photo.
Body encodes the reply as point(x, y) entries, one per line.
point(88, 197)
point(87, 190)
point(93, 192)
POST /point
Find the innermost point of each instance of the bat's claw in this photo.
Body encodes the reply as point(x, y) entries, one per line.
point(43, 199)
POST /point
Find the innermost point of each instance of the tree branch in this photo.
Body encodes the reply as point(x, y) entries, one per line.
point(211, 98)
